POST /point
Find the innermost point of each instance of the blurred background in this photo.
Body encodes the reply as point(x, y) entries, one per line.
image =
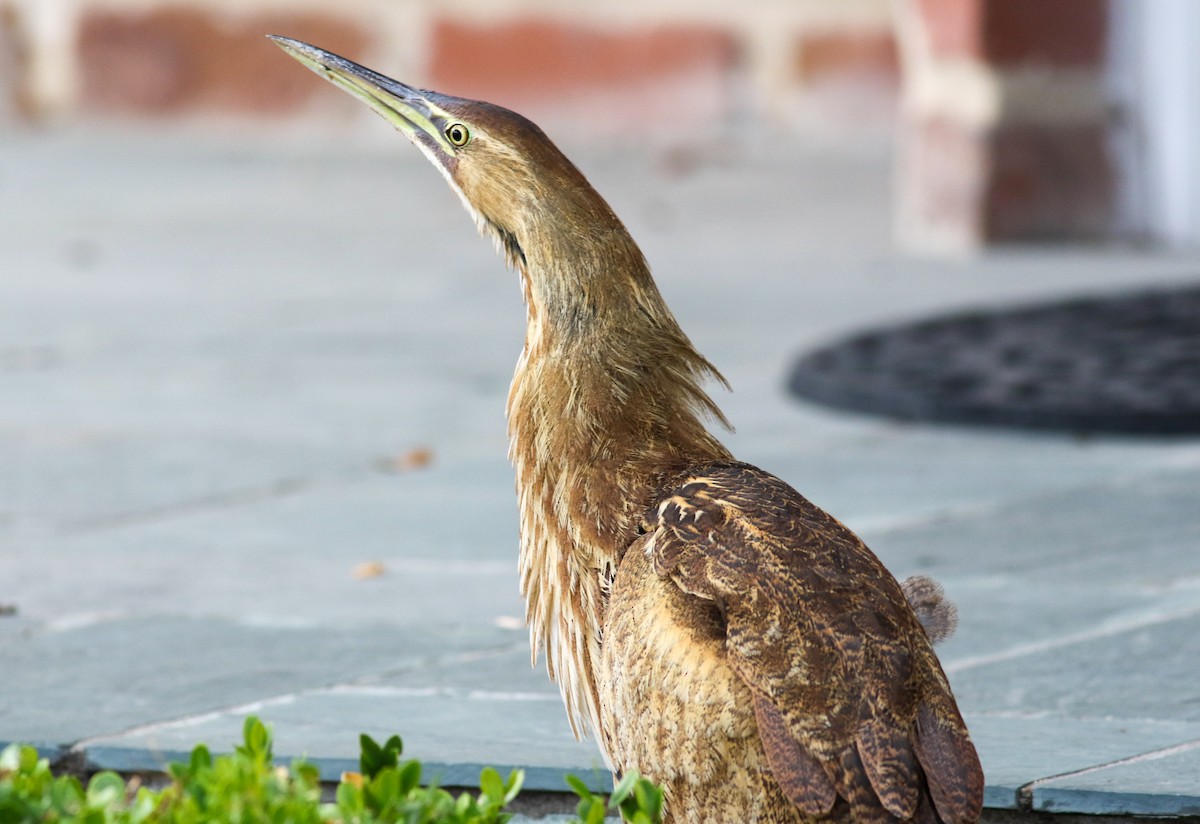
point(1013, 120)
point(254, 361)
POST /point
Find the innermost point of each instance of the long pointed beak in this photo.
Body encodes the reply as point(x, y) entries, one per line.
point(406, 108)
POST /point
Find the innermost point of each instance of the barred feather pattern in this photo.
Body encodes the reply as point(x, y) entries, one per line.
point(810, 645)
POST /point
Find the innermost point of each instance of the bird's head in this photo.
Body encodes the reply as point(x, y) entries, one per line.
point(510, 176)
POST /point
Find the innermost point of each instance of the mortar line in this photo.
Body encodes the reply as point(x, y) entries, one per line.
point(875, 527)
point(277, 489)
point(246, 707)
point(1025, 793)
point(1107, 629)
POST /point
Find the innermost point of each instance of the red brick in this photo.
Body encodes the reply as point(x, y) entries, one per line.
point(1046, 32)
point(12, 72)
point(856, 55)
point(953, 26)
point(535, 64)
point(1049, 183)
point(1013, 32)
point(1008, 183)
point(183, 60)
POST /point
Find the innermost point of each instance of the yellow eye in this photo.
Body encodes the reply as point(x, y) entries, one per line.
point(458, 134)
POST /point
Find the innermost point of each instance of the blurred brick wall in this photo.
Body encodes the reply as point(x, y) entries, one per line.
point(1006, 122)
point(654, 66)
point(1000, 106)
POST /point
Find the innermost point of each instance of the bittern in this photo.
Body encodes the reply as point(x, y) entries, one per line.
point(717, 631)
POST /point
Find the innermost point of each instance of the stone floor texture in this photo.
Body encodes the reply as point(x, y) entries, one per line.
point(252, 460)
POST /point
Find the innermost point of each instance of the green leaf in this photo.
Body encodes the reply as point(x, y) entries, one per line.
point(245, 787)
point(106, 789)
point(91, 816)
point(491, 784)
point(579, 787)
point(465, 807)
point(624, 788)
point(66, 794)
point(384, 789)
point(394, 745)
point(27, 760)
point(141, 807)
point(201, 759)
point(516, 780)
point(10, 759)
point(370, 756)
point(307, 773)
point(649, 799)
point(373, 758)
point(349, 798)
point(257, 739)
point(410, 777)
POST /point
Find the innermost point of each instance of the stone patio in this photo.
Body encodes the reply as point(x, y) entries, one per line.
point(225, 359)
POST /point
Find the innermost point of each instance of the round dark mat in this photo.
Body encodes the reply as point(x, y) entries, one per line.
point(1127, 364)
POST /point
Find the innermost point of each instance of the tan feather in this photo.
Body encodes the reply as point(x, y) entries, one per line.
point(935, 611)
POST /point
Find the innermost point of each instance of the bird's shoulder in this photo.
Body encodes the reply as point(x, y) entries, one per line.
point(725, 524)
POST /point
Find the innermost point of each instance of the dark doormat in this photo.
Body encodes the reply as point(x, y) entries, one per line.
point(1120, 364)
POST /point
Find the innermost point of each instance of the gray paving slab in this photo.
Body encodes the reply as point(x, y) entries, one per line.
point(82, 678)
point(295, 559)
point(509, 671)
point(1054, 744)
point(1165, 783)
point(1144, 529)
point(143, 472)
point(212, 352)
point(934, 474)
point(1004, 619)
point(1144, 672)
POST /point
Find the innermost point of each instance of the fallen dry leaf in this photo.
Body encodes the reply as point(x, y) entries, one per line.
point(417, 458)
point(368, 569)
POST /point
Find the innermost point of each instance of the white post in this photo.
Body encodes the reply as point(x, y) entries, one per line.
point(1155, 74)
point(45, 33)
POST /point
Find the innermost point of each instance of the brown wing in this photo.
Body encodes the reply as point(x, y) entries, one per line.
point(850, 699)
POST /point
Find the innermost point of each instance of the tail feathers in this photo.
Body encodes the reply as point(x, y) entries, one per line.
point(887, 757)
point(854, 785)
point(798, 773)
point(951, 768)
point(926, 814)
point(927, 775)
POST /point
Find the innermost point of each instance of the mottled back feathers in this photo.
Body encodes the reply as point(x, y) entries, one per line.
point(849, 697)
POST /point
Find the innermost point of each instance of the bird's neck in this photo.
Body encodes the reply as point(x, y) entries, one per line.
point(607, 396)
point(606, 401)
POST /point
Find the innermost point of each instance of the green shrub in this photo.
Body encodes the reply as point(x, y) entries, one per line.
point(247, 787)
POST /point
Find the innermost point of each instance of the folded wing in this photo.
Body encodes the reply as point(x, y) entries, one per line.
point(851, 703)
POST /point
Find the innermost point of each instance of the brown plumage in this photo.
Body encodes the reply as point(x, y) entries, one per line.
point(819, 652)
point(717, 631)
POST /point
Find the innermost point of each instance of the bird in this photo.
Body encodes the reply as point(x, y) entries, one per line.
point(715, 631)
